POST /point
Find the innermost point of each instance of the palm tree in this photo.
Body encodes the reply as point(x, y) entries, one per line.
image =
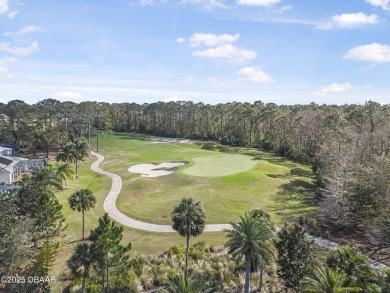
point(80, 262)
point(353, 263)
point(188, 220)
point(327, 280)
point(179, 284)
point(65, 171)
point(44, 178)
point(81, 150)
point(66, 154)
point(249, 239)
point(267, 253)
point(81, 201)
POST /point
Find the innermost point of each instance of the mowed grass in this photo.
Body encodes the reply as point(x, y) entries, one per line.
point(282, 187)
point(142, 242)
point(216, 165)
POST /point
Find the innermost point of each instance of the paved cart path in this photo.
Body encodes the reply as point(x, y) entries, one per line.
point(110, 208)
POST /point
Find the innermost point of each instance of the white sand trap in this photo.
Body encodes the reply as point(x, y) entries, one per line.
point(161, 139)
point(153, 170)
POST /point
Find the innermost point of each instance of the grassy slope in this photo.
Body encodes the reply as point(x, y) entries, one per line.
point(281, 186)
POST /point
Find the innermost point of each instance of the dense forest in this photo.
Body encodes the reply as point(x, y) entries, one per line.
point(347, 146)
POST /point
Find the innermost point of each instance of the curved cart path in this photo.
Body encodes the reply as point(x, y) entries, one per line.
point(110, 208)
point(110, 205)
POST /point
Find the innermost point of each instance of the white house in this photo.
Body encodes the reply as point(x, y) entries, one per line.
point(12, 167)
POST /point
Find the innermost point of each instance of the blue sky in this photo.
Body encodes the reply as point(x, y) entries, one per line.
point(212, 51)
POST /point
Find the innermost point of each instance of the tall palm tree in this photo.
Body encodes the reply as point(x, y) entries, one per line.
point(249, 239)
point(81, 150)
point(327, 280)
point(80, 262)
point(267, 253)
point(188, 220)
point(66, 153)
point(65, 171)
point(81, 201)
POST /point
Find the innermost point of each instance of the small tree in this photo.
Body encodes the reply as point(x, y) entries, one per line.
point(106, 249)
point(353, 264)
point(326, 280)
point(65, 171)
point(294, 255)
point(188, 220)
point(80, 262)
point(82, 201)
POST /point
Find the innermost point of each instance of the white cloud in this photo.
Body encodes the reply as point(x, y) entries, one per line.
point(180, 40)
point(67, 96)
point(20, 51)
point(173, 99)
point(12, 14)
point(207, 4)
point(385, 4)
point(264, 3)
point(3, 6)
point(211, 40)
point(25, 30)
point(147, 2)
point(3, 69)
point(188, 79)
point(9, 76)
point(256, 75)
point(349, 21)
point(4, 64)
point(228, 52)
point(283, 8)
point(335, 88)
point(375, 52)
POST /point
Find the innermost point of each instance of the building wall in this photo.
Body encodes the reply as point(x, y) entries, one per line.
point(6, 177)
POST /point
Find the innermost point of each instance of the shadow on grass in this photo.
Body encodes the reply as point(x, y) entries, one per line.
point(125, 135)
point(279, 176)
point(300, 172)
point(296, 198)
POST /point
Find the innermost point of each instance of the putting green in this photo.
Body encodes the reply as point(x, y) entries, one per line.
point(220, 165)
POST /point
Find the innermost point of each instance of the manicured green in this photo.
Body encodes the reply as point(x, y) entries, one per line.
point(220, 165)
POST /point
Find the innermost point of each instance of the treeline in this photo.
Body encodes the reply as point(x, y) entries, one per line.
point(348, 146)
point(296, 131)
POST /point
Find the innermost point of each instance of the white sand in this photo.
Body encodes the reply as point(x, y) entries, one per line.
point(161, 139)
point(149, 170)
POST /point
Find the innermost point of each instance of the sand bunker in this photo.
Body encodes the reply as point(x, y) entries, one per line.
point(161, 139)
point(154, 170)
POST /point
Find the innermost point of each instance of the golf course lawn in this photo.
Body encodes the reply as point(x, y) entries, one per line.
point(282, 187)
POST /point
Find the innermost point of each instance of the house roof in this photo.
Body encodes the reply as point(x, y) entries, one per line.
point(8, 163)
